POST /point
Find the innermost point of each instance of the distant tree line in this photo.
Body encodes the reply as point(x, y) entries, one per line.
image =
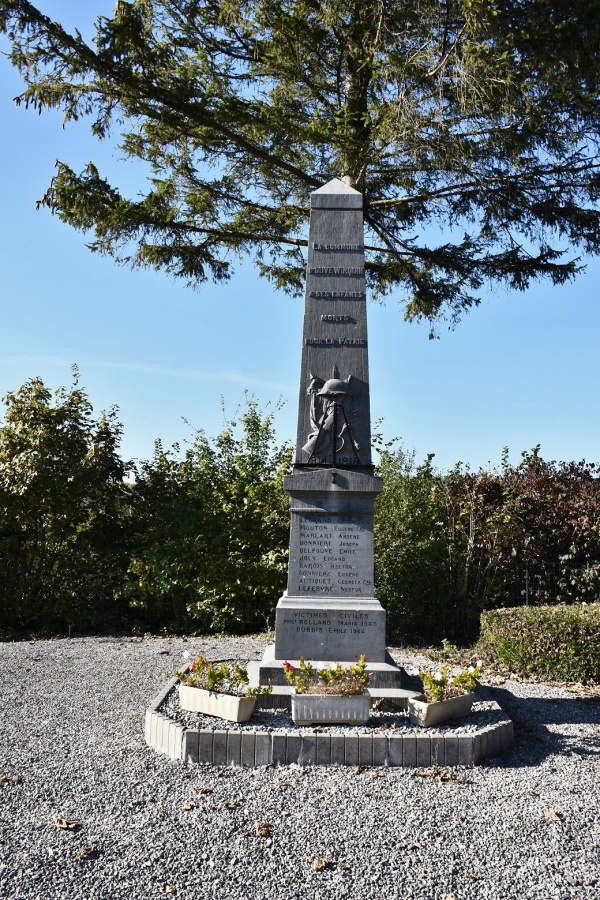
point(196, 539)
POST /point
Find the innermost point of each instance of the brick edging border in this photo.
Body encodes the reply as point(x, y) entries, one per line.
point(223, 747)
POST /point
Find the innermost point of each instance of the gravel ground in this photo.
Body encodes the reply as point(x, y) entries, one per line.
point(525, 825)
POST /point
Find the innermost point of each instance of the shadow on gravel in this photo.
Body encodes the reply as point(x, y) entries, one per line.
point(534, 740)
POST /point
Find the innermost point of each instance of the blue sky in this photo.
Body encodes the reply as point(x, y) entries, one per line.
point(521, 370)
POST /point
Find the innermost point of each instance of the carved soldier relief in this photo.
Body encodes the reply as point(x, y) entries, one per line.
point(333, 411)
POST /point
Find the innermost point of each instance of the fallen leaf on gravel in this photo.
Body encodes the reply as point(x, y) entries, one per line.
point(51, 852)
point(450, 897)
point(85, 852)
point(474, 876)
point(531, 794)
point(4, 779)
point(576, 755)
point(189, 804)
point(262, 829)
point(203, 790)
point(444, 776)
point(414, 846)
point(359, 769)
point(378, 775)
point(319, 863)
point(368, 794)
point(65, 824)
point(231, 804)
point(438, 774)
point(164, 652)
point(284, 783)
point(554, 817)
point(169, 889)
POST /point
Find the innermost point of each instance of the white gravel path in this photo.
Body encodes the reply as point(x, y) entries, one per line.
point(526, 825)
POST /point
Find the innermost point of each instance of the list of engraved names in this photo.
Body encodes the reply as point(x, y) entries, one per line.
point(334, 555)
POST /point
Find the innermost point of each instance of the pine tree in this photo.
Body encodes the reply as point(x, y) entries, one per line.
point(471, 127)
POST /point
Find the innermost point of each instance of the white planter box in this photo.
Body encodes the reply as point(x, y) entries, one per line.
point(333, 709)
point(427, 714)
point(223, 706)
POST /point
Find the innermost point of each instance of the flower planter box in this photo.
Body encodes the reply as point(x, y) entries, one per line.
point(427, 714)
point(223, 706)
point(332, 709)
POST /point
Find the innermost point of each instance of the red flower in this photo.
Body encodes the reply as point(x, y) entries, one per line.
point(288, 666)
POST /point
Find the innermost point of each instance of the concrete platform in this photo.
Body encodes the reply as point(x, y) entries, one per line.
point(386, 674)
point(323, 746)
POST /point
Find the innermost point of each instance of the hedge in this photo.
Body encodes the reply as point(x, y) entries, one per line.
point(556, 643)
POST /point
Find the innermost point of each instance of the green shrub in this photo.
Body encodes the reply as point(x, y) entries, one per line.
point(65, 529)
point(213, 527)
point(558, 643)
point(411, 551)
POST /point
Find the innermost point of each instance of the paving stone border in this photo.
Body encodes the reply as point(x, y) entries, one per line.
point(221, 747)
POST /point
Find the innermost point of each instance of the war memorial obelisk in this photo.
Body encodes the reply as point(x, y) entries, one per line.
point(329, 612)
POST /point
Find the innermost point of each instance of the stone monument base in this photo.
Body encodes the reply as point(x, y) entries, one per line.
point(386, 674)
point(329, 628)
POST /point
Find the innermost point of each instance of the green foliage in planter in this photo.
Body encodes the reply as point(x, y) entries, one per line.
point(346, 681)
point(440, 685)
point(560, 643)
point(221, 678)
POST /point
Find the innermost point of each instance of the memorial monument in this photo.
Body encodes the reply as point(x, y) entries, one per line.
point(329, 612)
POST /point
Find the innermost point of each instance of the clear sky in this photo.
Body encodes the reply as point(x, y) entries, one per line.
point(521, 370)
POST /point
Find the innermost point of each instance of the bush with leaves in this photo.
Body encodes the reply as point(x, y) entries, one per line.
point(411, 548)
point(64, 523)
point(546, 642)
point(450, 545)
point(212, 547)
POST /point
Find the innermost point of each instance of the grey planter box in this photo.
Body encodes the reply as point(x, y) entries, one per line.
point(223, 706)
point(312, 709)
point(427, 714)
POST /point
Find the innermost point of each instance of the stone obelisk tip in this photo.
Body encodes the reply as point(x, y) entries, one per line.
point(336, 194)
